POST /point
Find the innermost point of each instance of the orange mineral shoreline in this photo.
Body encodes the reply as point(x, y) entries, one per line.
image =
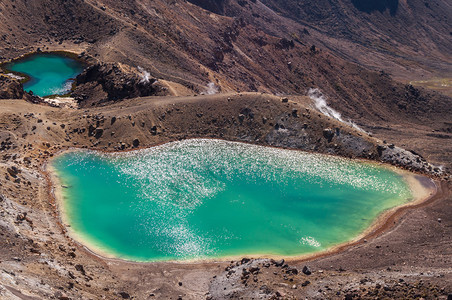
point(423, 196)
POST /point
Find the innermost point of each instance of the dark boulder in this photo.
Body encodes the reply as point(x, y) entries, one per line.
point(135, 143)
point(245, 260)
point(278, 263)
point(80, 269)
point(98, 133)
point(91, 130)
point(13, 171)
point(328, 133)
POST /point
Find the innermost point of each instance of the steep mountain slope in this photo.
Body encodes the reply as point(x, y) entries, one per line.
point(392, 35)
point(249, 47)
point(409, 39)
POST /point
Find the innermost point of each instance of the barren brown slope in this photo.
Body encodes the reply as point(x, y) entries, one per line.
point(39, 261)
point(409, 39)
point(253, 51)
point(241, 47)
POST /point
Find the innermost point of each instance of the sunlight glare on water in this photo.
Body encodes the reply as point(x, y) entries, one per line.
point(200, 198)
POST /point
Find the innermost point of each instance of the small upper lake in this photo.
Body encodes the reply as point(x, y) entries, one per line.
point(199, 198)
point(48, 73)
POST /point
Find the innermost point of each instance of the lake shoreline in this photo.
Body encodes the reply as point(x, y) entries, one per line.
point(425, 193)
point(6, 67)
point(413, 248)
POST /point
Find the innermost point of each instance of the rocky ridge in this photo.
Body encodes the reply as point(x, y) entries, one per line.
point(104, 82)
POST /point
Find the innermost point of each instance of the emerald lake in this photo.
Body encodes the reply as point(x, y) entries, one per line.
point(48, 73)
point(210, 199)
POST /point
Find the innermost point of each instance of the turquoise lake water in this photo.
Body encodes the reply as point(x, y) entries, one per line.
point(198, 199)
point(49, 74)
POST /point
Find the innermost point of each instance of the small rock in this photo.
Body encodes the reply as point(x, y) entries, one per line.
point(13, 171)
point(91, 130)
point(306, 283)
point(98, 133)
point(284, 99)
point(245, 260)
point(124, 295)
point(22, 216)
point(80, 269)
point(135, 143)
point(306, 270)
point(328, 133)
point(380, 149)
point(278, 263)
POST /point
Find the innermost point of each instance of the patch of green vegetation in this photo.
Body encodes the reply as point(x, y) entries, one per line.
point(442, 85)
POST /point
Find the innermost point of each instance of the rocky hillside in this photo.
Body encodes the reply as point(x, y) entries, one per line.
point(10, 88)
point(265, 46)
point(392, 35)
point(229, 41)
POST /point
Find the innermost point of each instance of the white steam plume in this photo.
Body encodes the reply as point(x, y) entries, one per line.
point(145, 75)
point(211, 89)
point(14, 76)
point(321, 105)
